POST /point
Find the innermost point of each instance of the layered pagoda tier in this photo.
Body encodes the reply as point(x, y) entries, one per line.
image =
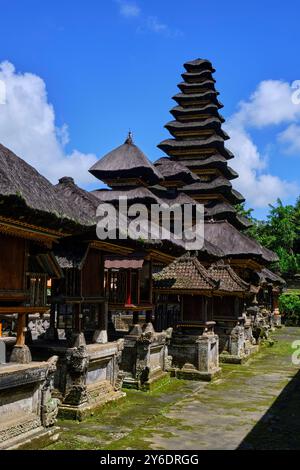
point(198, 143)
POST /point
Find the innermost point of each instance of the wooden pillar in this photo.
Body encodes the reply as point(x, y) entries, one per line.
point(21, 326)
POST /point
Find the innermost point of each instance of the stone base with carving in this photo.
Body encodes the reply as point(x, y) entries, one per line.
point(195, 356)
point(144, 358)
point(237, 342)
point(27, 409)
point(88, 378)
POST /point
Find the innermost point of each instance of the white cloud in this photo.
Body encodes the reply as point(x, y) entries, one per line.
point(290, 139)
point(150, 23)
point(270, 104)
point(27, 126)
point(128, 9)
point(155, 25)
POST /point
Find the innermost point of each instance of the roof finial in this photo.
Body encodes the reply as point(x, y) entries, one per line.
point(129, 139)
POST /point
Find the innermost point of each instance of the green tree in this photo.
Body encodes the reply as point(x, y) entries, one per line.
point(280, 233)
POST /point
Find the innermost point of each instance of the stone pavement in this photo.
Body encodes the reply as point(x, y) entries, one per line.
point(251, 406)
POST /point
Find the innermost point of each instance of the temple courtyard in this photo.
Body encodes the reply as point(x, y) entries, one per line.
point(251, 406)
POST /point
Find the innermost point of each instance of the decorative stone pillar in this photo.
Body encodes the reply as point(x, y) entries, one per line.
point(77, 360)
point(144, 357)
point(237, 339)
point(49, 405)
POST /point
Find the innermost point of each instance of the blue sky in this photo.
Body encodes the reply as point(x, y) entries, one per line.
point(99, 67)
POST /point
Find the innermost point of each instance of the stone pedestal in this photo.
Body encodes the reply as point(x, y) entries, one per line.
point(144, 357)
point(89, 377)
point(21, 354)
point(195, 357)
point(100, 337)
point(27, 409)
point(237, 340)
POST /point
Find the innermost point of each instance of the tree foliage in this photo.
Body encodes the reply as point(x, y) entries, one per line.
point(289, 306)
point(280, 232)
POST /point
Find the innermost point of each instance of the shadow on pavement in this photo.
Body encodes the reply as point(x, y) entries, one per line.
point(279, 428)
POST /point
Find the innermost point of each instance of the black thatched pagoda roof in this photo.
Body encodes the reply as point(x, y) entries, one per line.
point(222, 210)
point(188, 99)
point(180, 129)
point(198, 139)
point(197, 77)
point(136, 195)
point(197, 65)
point(216, 161)
point(234, 243)
point(180, 199)
point(213, 142)
point(33, 197)
point(175, 171)
point(219, 185)
point(126, 162)
point(187, 87)
point(196, 113)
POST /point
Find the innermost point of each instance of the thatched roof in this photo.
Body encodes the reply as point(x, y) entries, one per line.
point(213, 123)
point(181, 112)
point(25, 186)
point(199, 64)
point(208, 84)
point(71, 256)
point(184, 274)
point(216, 161)
point(219, 185)
point(83, 200)
point(126, 161)
point(234, 243)
point(180, 199)
point(197, 77)
point(220, 210)
point(204, 186)
point(214, 141)
point(186, 99)
point(139, 194)
point(228, 280)
point(268, 277)
point(172, 170)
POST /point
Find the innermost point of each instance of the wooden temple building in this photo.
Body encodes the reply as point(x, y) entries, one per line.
point(125, 312)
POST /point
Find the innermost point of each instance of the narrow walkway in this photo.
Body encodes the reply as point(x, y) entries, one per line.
point(252, 406)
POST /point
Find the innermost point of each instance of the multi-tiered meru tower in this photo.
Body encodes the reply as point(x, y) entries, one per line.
point(198, 144)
